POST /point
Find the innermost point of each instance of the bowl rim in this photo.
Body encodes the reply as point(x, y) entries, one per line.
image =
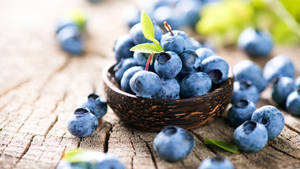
point(106, 78)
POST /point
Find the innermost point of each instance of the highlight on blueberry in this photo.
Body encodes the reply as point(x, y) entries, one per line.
point(217, 162)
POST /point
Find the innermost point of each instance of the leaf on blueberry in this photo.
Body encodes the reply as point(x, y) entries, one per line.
point(225, 145)
point(146, 48)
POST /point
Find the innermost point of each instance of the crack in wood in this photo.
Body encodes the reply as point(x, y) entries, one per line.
point(18, 85)
point(151, 153)
point(25, 151)
point(290, 155)
point(201, 139)
point(107, 137)
point(293, 129)
point(134, 151)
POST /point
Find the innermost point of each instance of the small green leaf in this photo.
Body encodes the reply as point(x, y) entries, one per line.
point(225, 145)
point(147, 26)
point(158, 45)
point(147, 48)
point(80, 155)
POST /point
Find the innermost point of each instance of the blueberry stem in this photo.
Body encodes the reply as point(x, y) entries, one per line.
point(168, 28)
point(149, 61)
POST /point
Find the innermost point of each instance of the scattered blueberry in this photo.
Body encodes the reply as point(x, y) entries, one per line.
point(256, 43)
point(281, 89)
point(96, 105)
point(70, 40)
point(122, 47)
point(127, 76)
point(217, 68)
point(141, 58)
point(293, 103)
point(188, 59)
point(175, 41)
point(248, 70)
point(240, 112)
point(196, 84)
point(173, 143)
point(109, 161)
point(251, 136)
point(83, 123)
point(63, 23)
point(138, 37)
point(271, 118)
point(189, 10)
point(244, 90)
point(170, 89)
point(122, 66)
point(145, 84)
point(216, 163)
point(167, 65)
point(279, 66)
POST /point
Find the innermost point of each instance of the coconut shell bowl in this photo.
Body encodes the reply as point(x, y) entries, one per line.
point(154, 114)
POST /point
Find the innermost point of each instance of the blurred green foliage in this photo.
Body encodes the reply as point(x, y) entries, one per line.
point(224, 21)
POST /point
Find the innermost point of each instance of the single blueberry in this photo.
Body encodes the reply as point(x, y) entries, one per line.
point(217, 69)
point(122, 66)
point(193, 44)
point(216, 163)
point(188, 59)
point(189, 10)
point(297, 82)
point(170, 89)
point(173, 143)
point(271, 118)
point(251, 136)
point(127, 76)
point(122, 47)
point(138, 37)
point(83, 123)
point(240, 112)
point(202, 54)
point(132, 16)
point(63, 23)
point(96, 105)
point(167, 65)
point(145, 84)
point(70, 40)
point(196, 84)
point(249, 71)
point(177, 41)
point(255, 42)
point(244, 90)
point(108, 161)
point(281, 89)
point(141, 58)
point(166, 13)
point(279, 66)
point(293, 103)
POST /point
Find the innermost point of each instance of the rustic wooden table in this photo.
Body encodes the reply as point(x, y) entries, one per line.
point(40, 86)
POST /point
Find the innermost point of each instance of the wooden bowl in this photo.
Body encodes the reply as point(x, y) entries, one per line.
point(154, 114)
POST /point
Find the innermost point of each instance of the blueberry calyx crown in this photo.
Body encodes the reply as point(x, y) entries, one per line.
point(93, 96)
point(249, 126)
point(170, 130)
point(276, 80)
point(168, 28)
point(80, 111)
point(215, 75)
point(218, 159)
point(242, 103)
point(163, 58)
point(245, 84)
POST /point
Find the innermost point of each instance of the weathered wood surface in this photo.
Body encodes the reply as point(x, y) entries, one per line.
point(40, 86)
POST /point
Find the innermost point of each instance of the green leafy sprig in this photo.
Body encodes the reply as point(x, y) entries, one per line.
point(225, 145)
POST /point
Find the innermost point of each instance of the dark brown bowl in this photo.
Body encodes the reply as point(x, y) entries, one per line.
point(154, 114)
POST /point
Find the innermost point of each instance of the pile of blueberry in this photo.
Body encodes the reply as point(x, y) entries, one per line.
point(178, 13)
point(85, 119)
point(186, 68)
point(69, 32)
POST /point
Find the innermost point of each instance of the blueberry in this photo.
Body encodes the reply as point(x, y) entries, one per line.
point(256, 43)
point(188, 59)
point(281, 89)
point(271, 118)
point(279, 66)
point(176, 42)
point(63, 164)
point(141, 58)
point(193, 44)
point(189, 10)
point(196, 84)
point(249, 71)
point(122, 47)
point(145, 84)
point(165, 13)
point(244, 90)
point(109, 161)
point(138, 37)
point(173, 143)
point(251, 136)
point(217, 69)
point(293, 103)
point(170, 89)
point(96, 105)
point(297, 82)
point(127, 76)
point(240, 112)
point(63, 23)
point(167, 65)
point(216, 163)
point(202, 54)
point(131, 16)
point(83, 123)
point(122, 66)
point(70, 40)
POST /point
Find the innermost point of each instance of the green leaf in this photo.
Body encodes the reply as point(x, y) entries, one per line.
point(147, 48)
point(228, 146)
point(80, 155)
point(147, 26)
point(79, 18)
